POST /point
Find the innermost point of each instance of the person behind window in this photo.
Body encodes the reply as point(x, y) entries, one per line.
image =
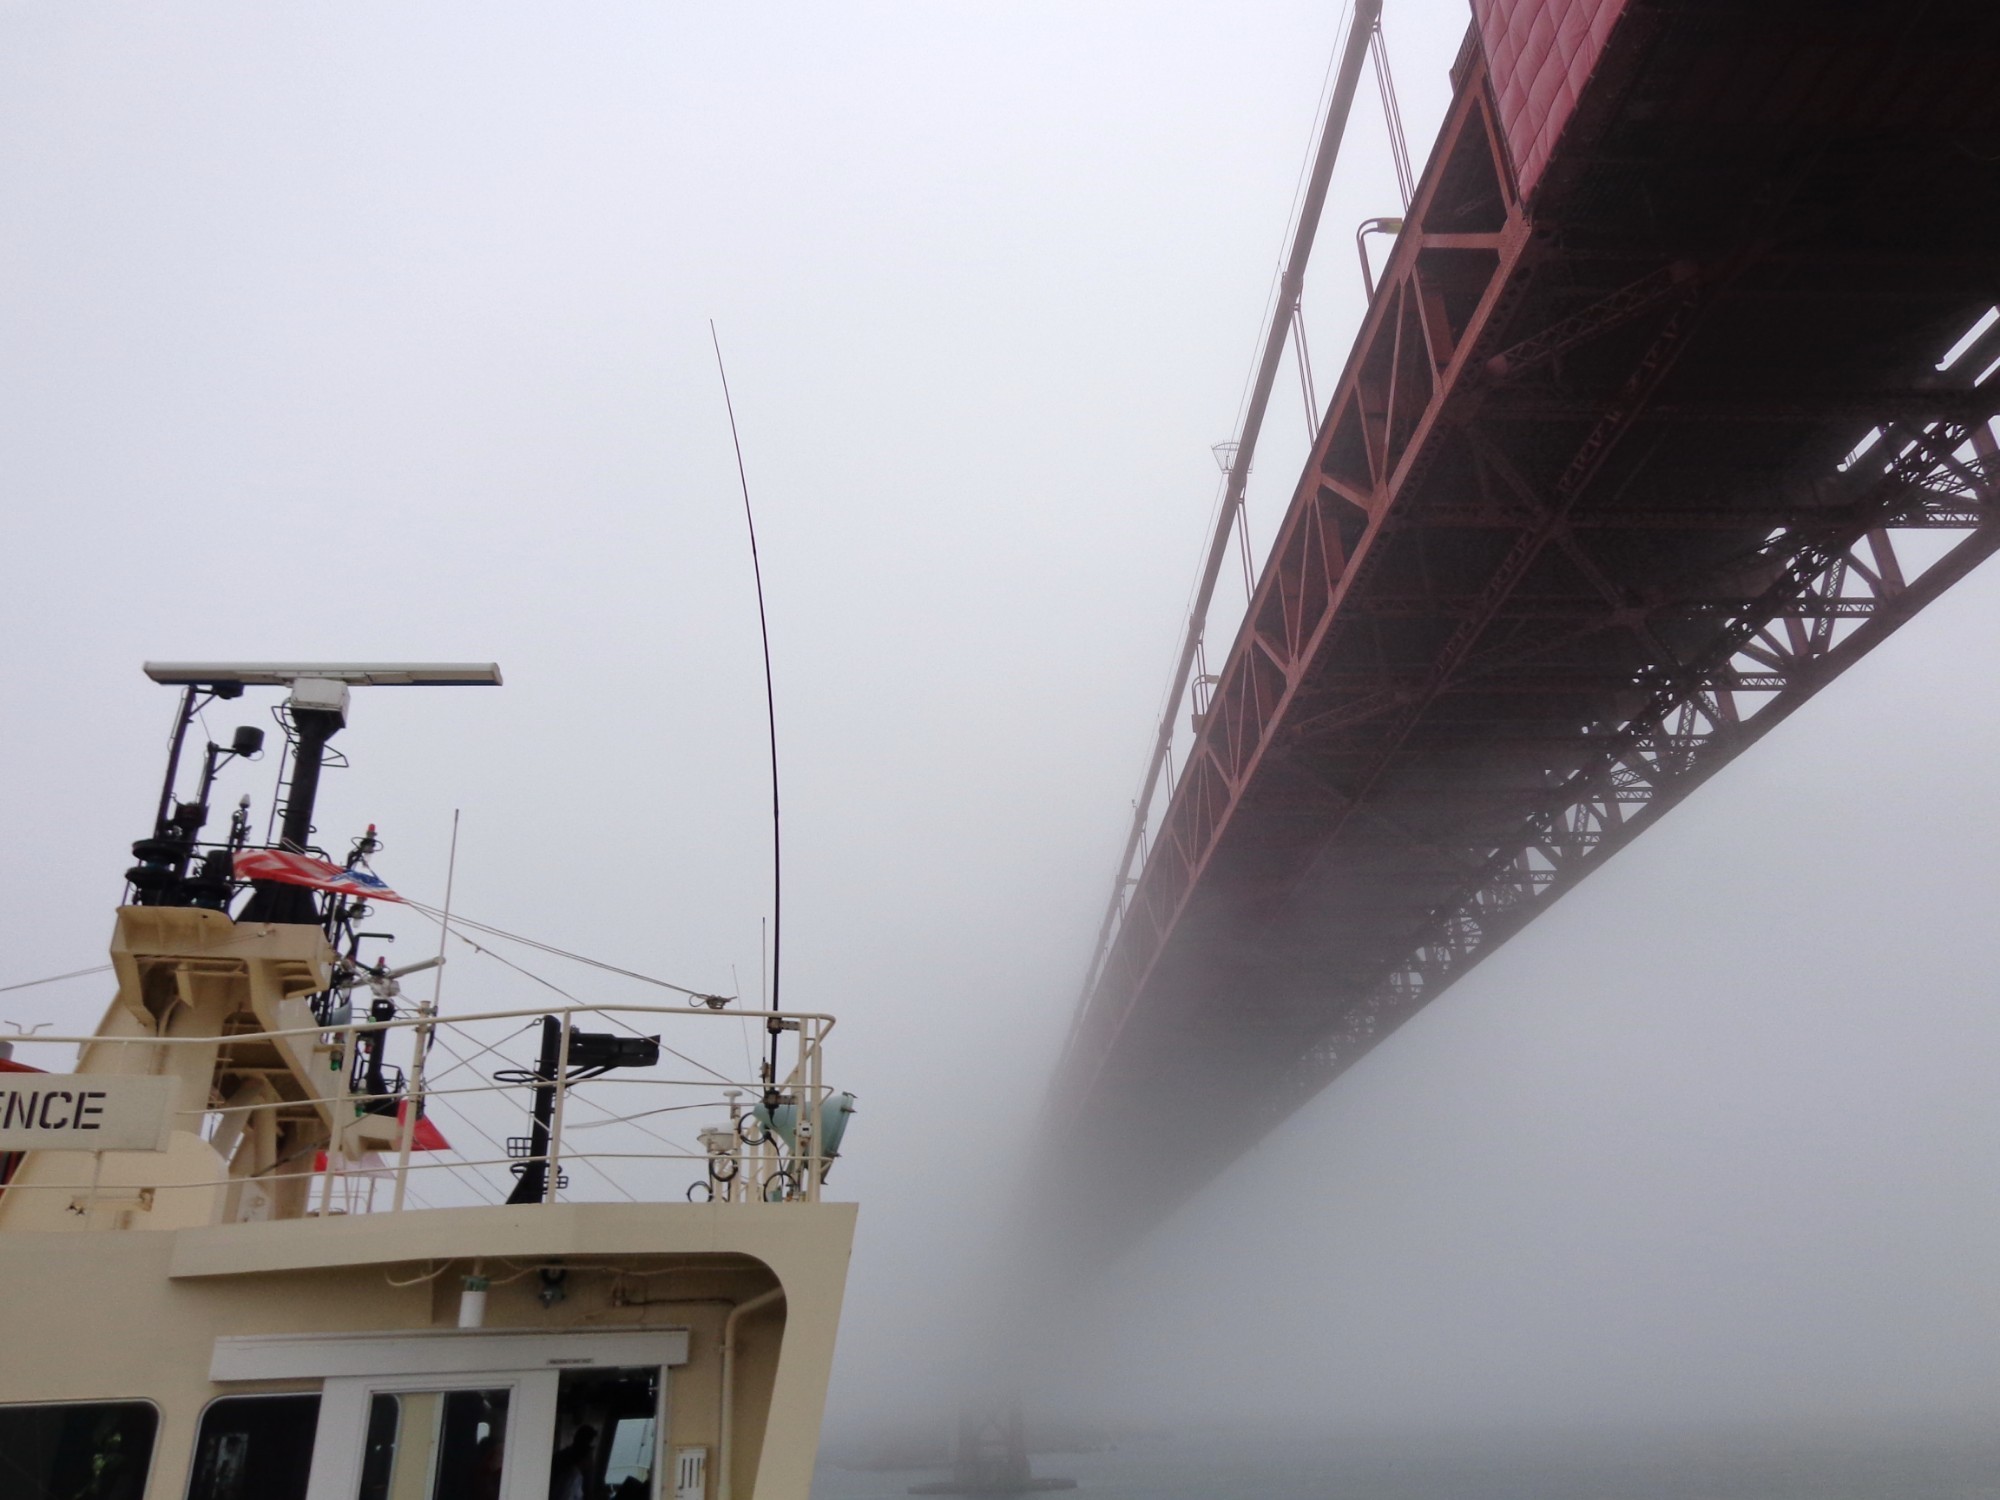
point(571, 1474)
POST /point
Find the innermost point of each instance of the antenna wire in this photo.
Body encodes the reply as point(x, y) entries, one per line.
point(770, 711)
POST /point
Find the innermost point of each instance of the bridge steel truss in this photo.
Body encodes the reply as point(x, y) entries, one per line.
point(1584, 520)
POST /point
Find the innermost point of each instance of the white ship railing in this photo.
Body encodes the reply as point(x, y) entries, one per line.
point(692, 1126)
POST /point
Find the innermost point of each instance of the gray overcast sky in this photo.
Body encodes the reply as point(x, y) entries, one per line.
point(379, 331)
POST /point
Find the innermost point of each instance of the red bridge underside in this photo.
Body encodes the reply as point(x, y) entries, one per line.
point(1575, 532)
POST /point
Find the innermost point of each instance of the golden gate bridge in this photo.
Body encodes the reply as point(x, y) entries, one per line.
point(1674, 397)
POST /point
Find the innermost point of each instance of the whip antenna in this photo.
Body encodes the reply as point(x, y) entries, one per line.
point(770, 716)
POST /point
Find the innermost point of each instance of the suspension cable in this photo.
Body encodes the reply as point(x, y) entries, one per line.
point(1392, 116)
point(1332, 132)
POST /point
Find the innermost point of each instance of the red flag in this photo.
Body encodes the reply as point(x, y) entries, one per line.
point(287, 868)
point(426, 1137)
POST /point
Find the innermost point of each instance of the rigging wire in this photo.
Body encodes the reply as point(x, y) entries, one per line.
point(459, 920)
point(446, 1107)
point(664, 1109)
point(28, 984)
point(489, 1047)
point(612, 1118)
point(501, 958)
point(476, 1128)
point(610, 1181)
point(583, 1160)
point(461, 1115)
point(618, 1020)
point(573, 1000)
point(462, 1171)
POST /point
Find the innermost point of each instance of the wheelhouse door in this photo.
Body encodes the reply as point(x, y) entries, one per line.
point(487, 1436)
point(476, 1415)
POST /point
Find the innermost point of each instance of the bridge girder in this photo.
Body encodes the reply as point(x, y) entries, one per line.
point(1612, 483)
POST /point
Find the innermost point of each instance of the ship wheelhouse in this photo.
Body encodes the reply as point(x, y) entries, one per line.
point(275, 1230)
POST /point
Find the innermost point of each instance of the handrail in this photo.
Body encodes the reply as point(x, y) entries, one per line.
point(780, 1160)
point(404, 1022)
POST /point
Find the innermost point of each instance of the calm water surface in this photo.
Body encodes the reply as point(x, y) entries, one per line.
point(1223, 1465)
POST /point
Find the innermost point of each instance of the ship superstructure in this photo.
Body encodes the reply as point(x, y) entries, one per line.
point(277, 1229)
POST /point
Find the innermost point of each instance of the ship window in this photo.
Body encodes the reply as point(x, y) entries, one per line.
point(445, 1445)
point(97, 1450)
point(254, 1448)
point(607, 1435)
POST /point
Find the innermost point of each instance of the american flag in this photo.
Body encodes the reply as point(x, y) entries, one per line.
point(302, 869)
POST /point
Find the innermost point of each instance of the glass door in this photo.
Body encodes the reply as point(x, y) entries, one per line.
point(504, 1416)
point(476, 1437)
point(435, 1445)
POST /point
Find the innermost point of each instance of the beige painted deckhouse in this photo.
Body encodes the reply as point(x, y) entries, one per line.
point(278, 1230)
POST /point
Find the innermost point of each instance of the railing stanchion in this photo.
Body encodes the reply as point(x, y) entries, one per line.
point(817, 1162)
point(412, 1106)
point(556, 1123)
point(783, 1167)
point(340, 1112)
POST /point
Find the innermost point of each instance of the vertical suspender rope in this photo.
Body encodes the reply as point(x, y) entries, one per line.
point(770, 717)
point(1305, 370)
point(1361, 31)
point(1392, 119)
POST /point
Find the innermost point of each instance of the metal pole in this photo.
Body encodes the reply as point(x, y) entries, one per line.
point(533, 1184)
point(413, 1093)
point(342, 1113)
point(817, 1162)
point(562, 1094)
point(412, 1101)
point(1366, 14)
point(181, 724)
point(315, 727)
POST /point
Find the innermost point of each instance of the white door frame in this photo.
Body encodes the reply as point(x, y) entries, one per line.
point(341, 1441)
point(355, 1367)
